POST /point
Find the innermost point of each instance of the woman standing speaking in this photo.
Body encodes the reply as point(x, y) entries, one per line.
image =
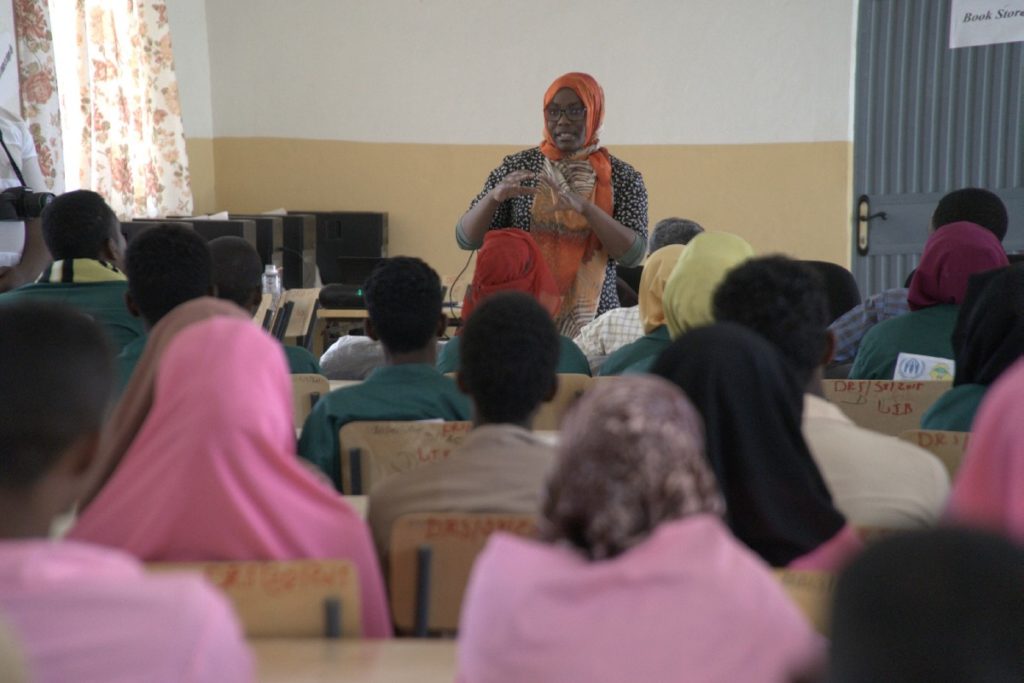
point(585, 208)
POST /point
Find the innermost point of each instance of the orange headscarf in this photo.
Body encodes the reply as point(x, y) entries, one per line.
point(592, 95)
point(510, 260)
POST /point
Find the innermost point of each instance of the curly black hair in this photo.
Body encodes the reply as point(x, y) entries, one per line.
point(403, 300)
point(167, 265)
point(509, 357)
point(237, 270)
point(58, 381)
point(975, 205)
point(782, 300)
point(78, 224)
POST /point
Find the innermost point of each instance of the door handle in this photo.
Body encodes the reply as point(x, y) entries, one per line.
point(864, 218)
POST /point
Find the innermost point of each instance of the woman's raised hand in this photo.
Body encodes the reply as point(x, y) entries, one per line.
point(562, 200)
point(512, 186)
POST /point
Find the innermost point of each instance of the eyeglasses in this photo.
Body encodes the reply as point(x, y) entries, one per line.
point(574, 112)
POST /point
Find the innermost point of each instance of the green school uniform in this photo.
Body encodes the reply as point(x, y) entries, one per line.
point(955, 409)
point(646, 348)
point(301, 361)
point(128, 359)
point(570, 358)
point(93, 287)
point(413, 391)
point(926, 332)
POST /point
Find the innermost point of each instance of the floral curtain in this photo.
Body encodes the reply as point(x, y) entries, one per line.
point(132, 140)
point(40, 105)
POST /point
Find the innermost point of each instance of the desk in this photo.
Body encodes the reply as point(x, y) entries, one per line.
point(356, 317)
point(311, 660)
point(351, 315)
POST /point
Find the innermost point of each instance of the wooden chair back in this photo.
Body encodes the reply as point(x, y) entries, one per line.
point(290, 599)
point(260, 317)
point(430, 558)
point(306, 391)
point(812, 593)
point(387, 448)
point(949, 447)
point(301, 324)
point(570, 388)
point(886, 406)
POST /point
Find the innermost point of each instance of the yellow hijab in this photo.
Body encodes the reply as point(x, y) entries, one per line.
point(652, 285)
point(698, 272)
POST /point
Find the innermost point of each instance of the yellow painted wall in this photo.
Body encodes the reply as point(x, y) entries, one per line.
point(782, 197)
point(201, 172)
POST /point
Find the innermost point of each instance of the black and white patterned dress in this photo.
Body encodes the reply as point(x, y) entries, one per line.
point(629, 205)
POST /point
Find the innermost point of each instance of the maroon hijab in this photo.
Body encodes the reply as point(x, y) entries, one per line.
point(951, 255)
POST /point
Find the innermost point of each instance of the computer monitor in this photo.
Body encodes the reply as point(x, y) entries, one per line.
point(354, 270)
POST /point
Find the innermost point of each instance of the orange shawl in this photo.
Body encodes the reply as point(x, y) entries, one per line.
point(574, 254)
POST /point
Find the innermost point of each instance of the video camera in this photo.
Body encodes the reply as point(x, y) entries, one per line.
point(20, 203)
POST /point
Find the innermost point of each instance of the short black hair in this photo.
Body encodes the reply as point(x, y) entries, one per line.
point(167, 265)
point(975, 205)
point(673, 231)
point(509, 357)
point(938, 605)
point(237, 269)
point(58, 381)
point(78, 224)
point(782, 300)
point(403, 301)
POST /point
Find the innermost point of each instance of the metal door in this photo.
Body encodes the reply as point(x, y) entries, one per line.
point(927, 120)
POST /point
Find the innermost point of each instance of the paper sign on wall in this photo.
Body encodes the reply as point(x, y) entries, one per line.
point(986, 22)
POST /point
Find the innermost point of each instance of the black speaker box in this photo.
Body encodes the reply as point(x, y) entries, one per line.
point(347, 234)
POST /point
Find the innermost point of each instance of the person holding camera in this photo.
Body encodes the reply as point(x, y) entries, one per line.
point(23, 253)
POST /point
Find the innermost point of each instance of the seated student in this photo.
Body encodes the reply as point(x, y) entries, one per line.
point(686, 300)
point(988, 485)
point(940, 606)
point(166, 265)
point(636, 578)
point(237, 274)
point(508, 369)
point(991, 339)
point(875, 480)
point(617, 327)
point(951, 255)
point(203, 449)
point(652, 288)
point(403, 300)
point(82, 612)
point(510, 261)
point(84, 236)
point(969, 204)
point(751, 401)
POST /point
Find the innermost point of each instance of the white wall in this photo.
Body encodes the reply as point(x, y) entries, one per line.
point(474, 71)
point(192, 65)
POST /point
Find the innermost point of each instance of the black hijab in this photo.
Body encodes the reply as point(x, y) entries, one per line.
point(989, 335)
point(776, 501)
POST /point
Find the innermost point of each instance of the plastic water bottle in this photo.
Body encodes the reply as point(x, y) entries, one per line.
point(272, 285)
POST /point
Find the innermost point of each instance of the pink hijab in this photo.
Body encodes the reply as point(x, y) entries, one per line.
point(640, 579)
point(951, 255)
point(988, 489)
point(212, 473)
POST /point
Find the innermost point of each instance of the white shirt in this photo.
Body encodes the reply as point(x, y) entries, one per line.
point(876, 480)
point(19, 141)
point(609, 331)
